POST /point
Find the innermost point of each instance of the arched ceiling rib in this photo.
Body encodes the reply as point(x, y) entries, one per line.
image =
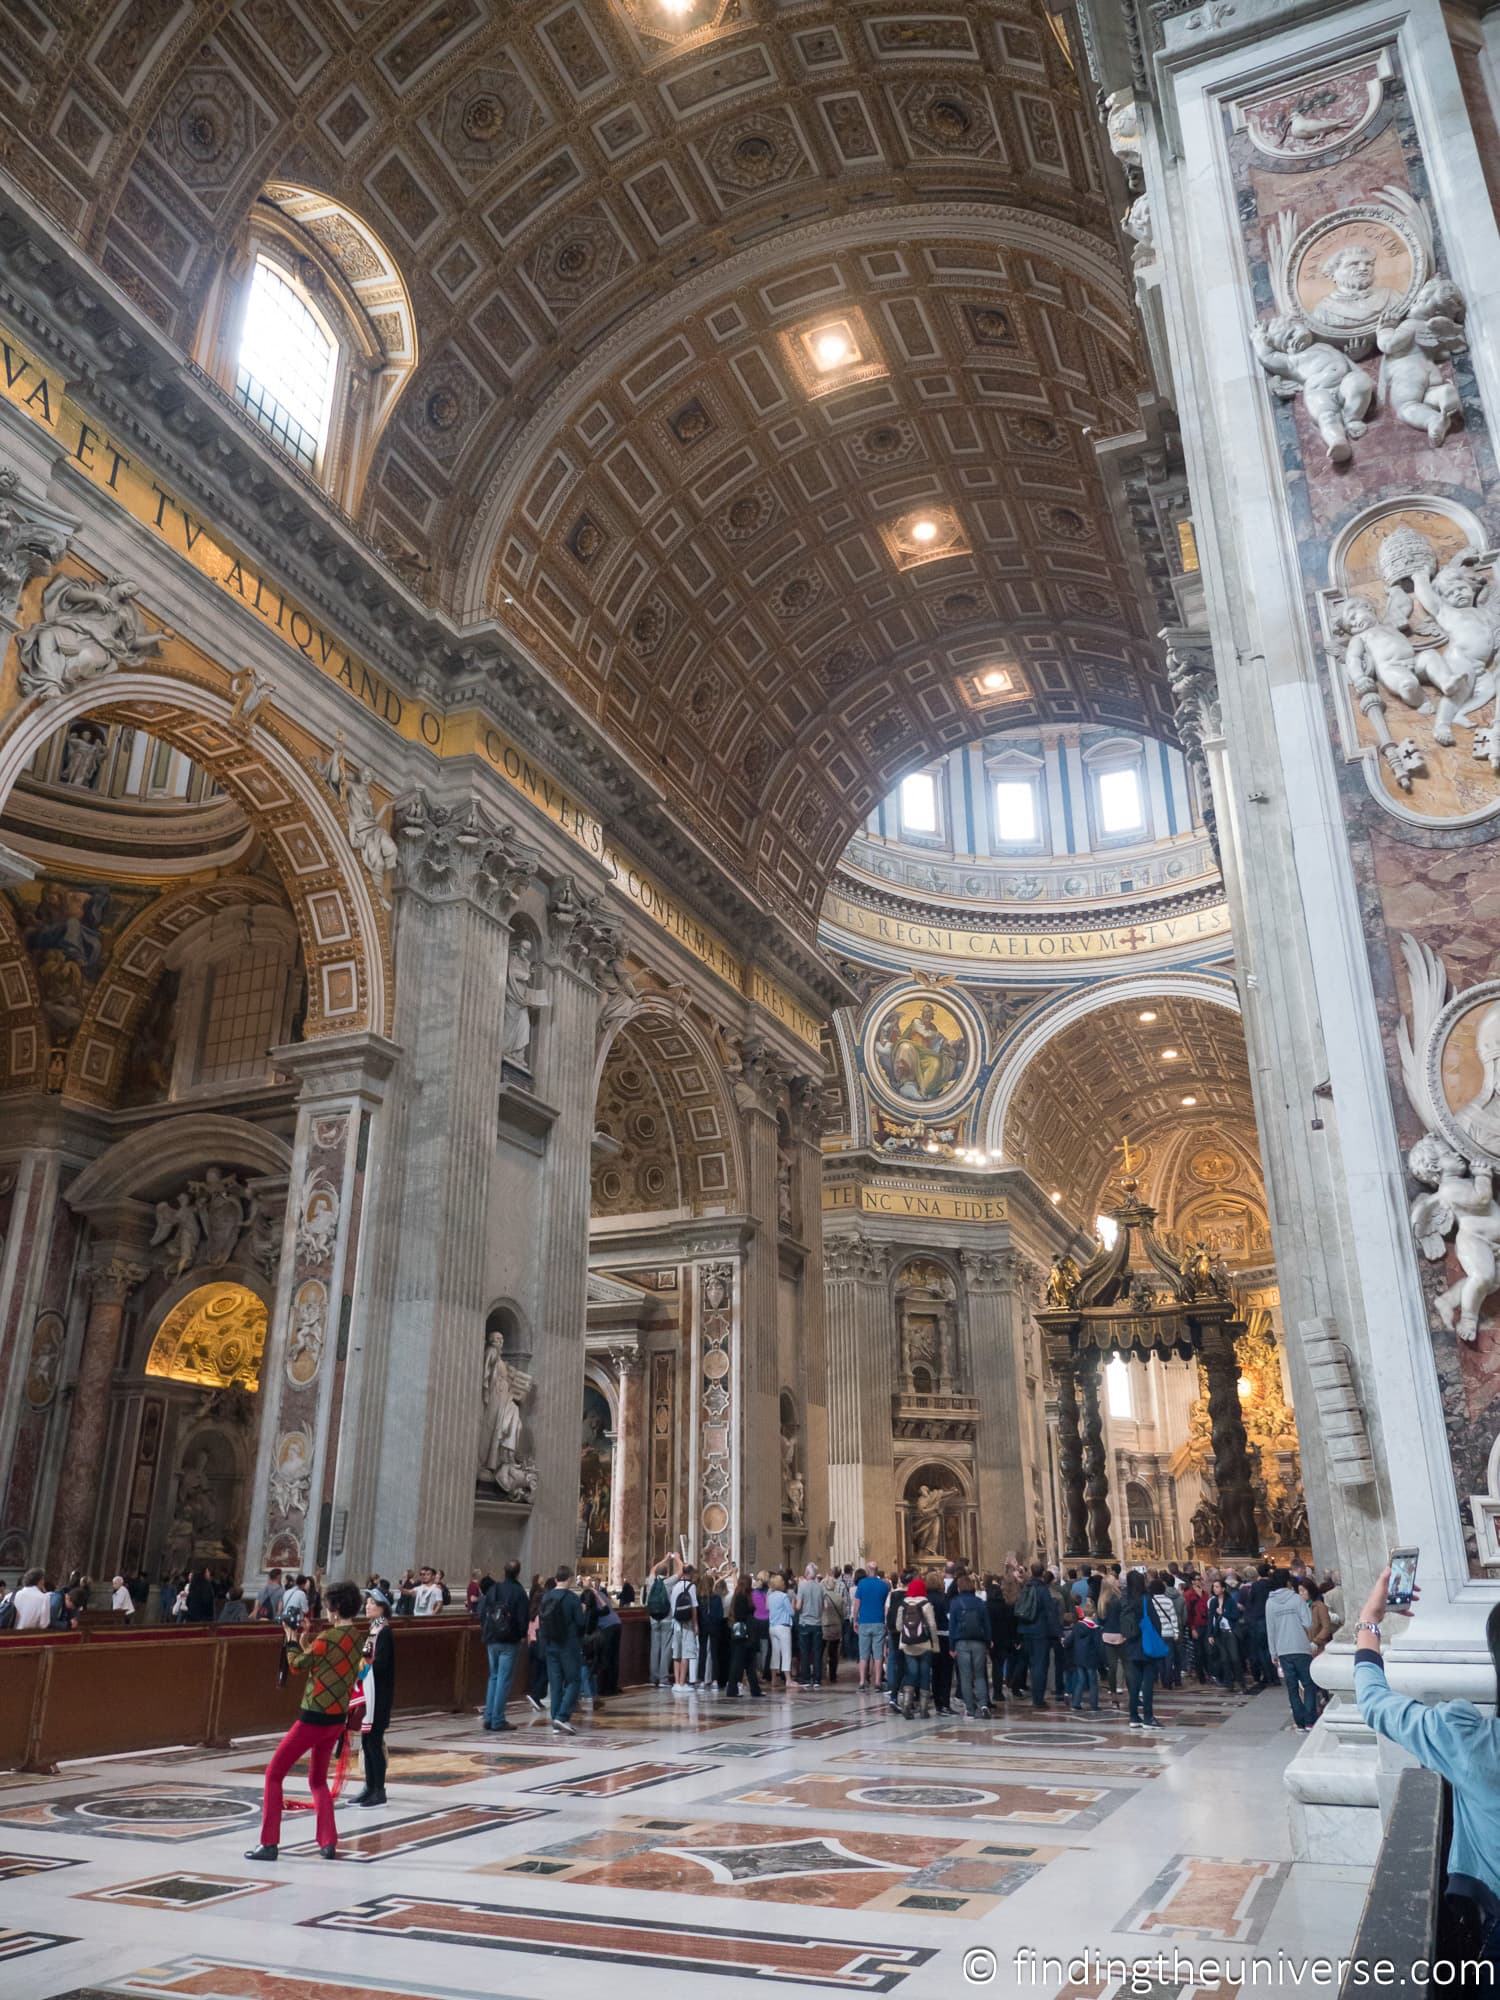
point(629, 218)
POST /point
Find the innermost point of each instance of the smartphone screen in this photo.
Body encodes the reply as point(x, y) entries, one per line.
point(1403, 1576)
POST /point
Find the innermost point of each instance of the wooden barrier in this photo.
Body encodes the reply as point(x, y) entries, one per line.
point(103, 1691)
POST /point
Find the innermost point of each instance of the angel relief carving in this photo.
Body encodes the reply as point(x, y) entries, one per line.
point(1450, 1065)
point(1352, 284)
point(1414, 620)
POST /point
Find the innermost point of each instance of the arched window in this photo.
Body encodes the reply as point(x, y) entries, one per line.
point(287, 359)
point(240, 983)
point(309, 327)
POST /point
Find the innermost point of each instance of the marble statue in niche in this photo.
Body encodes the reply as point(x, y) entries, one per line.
point(927, 1521)
point(523, 999)
point(505, 1388)
point(353, 786)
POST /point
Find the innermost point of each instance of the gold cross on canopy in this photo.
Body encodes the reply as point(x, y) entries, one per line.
point(1129, 1162)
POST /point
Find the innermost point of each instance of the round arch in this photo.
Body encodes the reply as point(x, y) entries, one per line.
point(689, 1074)
point(1215, 990)
point(156, 1155)
point(23, 1024)
point(345, 934)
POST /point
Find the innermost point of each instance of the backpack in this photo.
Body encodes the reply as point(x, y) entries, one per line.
point(1153, 1645)
point(502, 1624)
point(913, 1623)
point(685, 1605)
point(555, 1624)
point(1028, 1605)
point(658, 1598)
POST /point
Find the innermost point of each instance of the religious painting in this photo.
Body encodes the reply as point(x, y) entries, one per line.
point(69, 929)
point(595, 1474)
point(1318, 114)
point(922, 1052)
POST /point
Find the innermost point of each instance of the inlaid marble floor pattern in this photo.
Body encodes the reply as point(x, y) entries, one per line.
point(815, 1843)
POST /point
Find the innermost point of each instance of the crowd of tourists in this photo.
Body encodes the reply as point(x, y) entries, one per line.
point(931, 1640)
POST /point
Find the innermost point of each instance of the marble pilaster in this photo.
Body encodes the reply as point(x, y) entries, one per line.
point(118, 1267)
point(309, 1473)
point(461, 871)
point(861, 1383)
point(997, 1366)
point(760, 1091)
point(582, 943)
point(627, 1526)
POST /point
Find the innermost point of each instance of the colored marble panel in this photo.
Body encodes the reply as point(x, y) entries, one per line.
point(812, 1962)
point(825, 1867)
point(180, 1892)
point(21, 1944)
point(422, 1830)
point(14, 1866)
point(610, 1784)
point(440, 1768)
point(1100, 1764)
point(154, 1812)
point(1228, 1901)
point(198, 1978)
point(937, 1798)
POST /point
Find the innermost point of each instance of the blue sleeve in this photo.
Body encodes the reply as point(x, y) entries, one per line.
point(1436, 1736)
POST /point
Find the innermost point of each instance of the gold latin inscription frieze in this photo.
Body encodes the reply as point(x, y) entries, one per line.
point(934, 1206)
point(1123, 940)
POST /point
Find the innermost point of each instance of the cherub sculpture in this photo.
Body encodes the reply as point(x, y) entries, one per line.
point(1336, 391)
point(1377, 650)
point(1462, 1199)
point(1413, 346)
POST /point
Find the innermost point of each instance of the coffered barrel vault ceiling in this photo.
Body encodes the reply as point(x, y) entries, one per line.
point(624, 228)
point(1107, 1076)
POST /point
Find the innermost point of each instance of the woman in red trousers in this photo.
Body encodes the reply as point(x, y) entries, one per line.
point(331, 1660)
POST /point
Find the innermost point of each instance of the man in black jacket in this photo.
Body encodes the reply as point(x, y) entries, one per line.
point(1256, 1647)
point(502, 1627)
point(560, 1625)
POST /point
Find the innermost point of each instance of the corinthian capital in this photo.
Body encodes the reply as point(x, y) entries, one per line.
point(113, 1279)
point(854, 1256)
point(1194, 682)
point(31, 541)
point(987, 1270)
point(462, 852)
point(806, 1107)
point(759, 1078)
point(583, 932)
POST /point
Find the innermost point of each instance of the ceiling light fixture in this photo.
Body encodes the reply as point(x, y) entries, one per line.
point(676, 6)
point(1057, 1194)
point(995, 681)
point(1147, 1016)
point(924, 530)
point(832, 348)
point(1170, 1055)
point(1188, 1103)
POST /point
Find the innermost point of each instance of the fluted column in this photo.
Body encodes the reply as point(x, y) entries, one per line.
point(461, 871)
point(582, 943)
point(627, 1521)
point(997, 1366)
point(1231, 1446)
point(310, 1474)
point(861, 1382)
point(760, 1091)
point(118, 1268)
point(1095, 1456)
point(1070, 1457)
point(806, 1110)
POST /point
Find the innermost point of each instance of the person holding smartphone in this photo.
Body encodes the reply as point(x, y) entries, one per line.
point(330, 1658)
point(1454, 1738)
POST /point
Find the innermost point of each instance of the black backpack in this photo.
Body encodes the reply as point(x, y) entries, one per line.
point(658, 1598)
point(913, 1623)
point(1029, 1604)
point(556, 1626)
point(504, 1624)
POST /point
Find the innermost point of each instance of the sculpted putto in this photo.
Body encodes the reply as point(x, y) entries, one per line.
point(1462, 1200)
point(1337, 392)
point(1413, 347)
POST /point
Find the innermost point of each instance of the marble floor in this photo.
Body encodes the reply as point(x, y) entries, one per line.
point(810, 1841)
